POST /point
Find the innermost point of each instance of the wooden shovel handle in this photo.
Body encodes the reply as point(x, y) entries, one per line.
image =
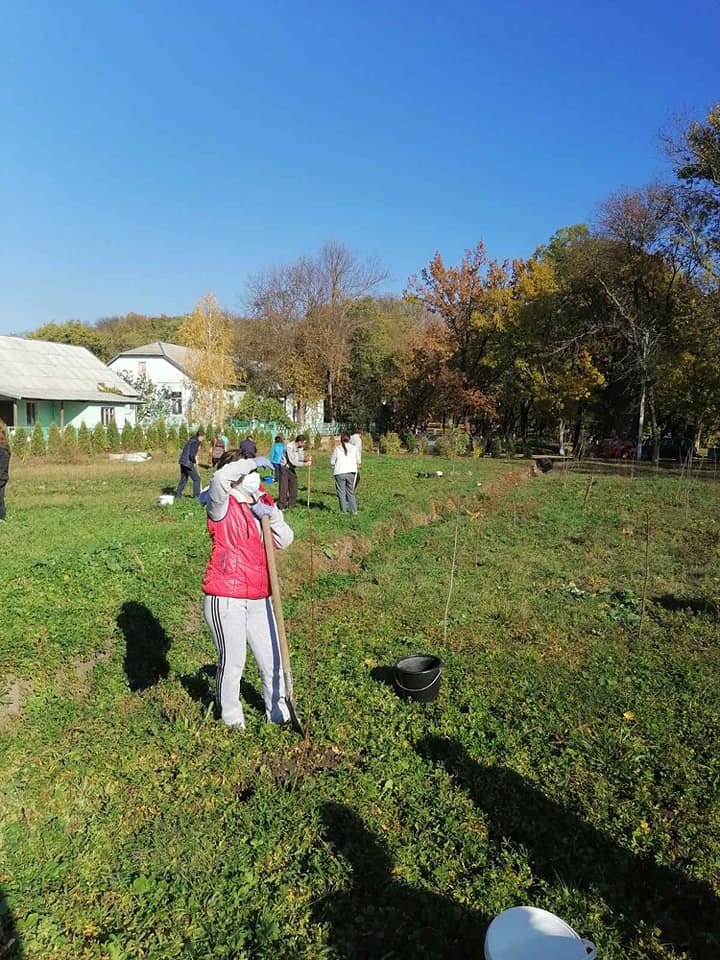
point(276, 600)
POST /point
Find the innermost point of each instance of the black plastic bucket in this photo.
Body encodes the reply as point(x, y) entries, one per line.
point(418, 677)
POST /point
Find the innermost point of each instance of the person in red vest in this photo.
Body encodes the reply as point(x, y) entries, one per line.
point(237, 607)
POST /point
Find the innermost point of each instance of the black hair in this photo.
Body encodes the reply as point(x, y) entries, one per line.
point(230, 456)
point(344, 438)
point(299, 438)
point(278, 439)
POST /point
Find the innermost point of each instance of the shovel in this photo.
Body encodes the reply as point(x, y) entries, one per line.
point(280, 623)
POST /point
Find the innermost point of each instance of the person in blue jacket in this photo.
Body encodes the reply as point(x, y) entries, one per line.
point(276, 455)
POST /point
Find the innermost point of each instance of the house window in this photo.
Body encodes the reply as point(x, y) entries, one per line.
point(30, 414)
point(176, 403)
point(107, 414)
point(142, 368)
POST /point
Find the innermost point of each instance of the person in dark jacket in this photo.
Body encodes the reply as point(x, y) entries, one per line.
point(188, 464)
point(4, 466)
point(248, 447)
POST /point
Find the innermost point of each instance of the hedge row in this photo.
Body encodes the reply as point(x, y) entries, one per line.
point(69, 443)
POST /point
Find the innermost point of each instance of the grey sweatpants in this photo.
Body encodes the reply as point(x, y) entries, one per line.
point(345, 489)
point(234, 624)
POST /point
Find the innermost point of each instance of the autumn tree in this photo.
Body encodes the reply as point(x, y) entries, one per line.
point(471, 304)
point(694, 148)
point(301, 320)
point(208, 334)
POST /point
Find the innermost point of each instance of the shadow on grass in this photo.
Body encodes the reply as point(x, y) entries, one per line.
point(561, 847)
point(380, 916)
point(197, 686)
point(10, 947)
point(384, 675)
point(669, 601)
point(146, 646)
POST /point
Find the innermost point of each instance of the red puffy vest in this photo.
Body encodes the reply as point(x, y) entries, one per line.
point(238, 565)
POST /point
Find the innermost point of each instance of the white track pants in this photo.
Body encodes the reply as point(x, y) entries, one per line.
point(234, 624)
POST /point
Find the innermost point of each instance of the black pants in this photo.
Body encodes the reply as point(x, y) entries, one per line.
point(287, 497)
point(4, 474)
point(185, 474)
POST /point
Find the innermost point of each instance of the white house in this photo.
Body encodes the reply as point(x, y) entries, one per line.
point(167, 365)
point(43, 382)
point(164, 365)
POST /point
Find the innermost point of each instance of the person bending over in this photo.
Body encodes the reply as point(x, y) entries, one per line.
point(188, 464)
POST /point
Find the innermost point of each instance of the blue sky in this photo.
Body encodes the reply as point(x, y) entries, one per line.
point(152, 151)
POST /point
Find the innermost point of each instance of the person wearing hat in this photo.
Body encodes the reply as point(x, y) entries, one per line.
point(237, 607)
point(4, 466)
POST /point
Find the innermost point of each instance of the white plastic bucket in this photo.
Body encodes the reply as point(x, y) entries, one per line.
point(166, 500)
point(529, 933)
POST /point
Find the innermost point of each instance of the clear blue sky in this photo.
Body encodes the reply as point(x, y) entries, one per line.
point(153, 151)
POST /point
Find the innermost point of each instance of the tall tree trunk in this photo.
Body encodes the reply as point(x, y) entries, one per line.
point(524, 416)
point(641, 416)
point(654, 428)
point(579, 434)
point(330, 400)
point(643, 394)
point(562, 436)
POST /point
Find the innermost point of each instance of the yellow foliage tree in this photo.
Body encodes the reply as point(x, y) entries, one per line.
point(208, 334)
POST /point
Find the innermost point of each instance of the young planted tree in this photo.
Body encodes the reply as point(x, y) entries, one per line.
point(99, 439)
point(208, 334)
point(20, 444)
point(37, 441)
point(138, 440)
point(54, 440)
point(84, 440)
point(126, 437)
point(69, 440)
point(113, 437)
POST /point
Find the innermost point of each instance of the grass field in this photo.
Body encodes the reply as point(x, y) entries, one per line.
point(571, 760)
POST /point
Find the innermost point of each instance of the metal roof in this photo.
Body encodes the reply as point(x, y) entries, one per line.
point(178, 355)
point(41, 370)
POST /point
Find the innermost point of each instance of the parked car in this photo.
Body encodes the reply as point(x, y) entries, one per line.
point(676, 448)
point(616, 449)
point(672, 448)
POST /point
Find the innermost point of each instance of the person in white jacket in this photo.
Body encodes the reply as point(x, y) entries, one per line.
point(345, 462)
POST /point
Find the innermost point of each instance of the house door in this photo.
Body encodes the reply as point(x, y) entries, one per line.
point(6, 412)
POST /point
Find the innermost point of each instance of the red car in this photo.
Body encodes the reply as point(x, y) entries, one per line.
point(617, 449)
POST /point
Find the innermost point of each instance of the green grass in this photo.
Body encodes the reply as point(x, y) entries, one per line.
point(568, 763)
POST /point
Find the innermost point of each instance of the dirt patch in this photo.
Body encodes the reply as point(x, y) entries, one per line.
point(83, 668)
point(12, 701)
point(303, 760)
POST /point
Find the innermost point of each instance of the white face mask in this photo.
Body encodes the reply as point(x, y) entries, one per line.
point(250, 484)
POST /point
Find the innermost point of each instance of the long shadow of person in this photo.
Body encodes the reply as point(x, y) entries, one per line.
point(10, 948)
point(380, 916)
point(563, 847)
point(146, 646)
